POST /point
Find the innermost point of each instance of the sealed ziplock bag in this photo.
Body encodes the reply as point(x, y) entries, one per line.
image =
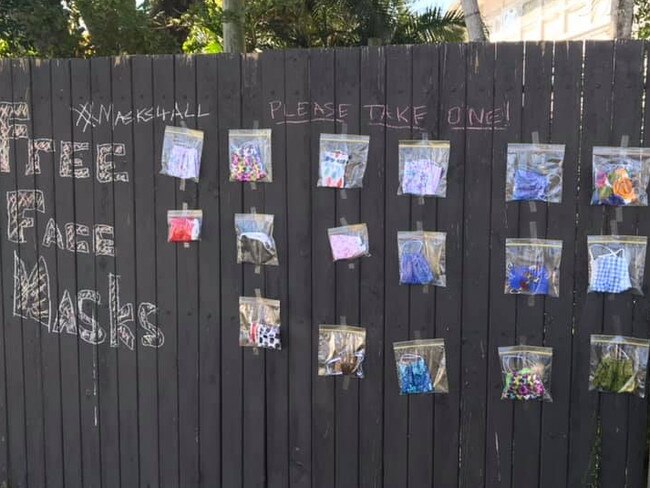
point(349, 241)
point(620, 176)
point(422, 258)
point(342, 160)
point(255, 243)
point(184, 225)
point(181, 154)
point(421, 366)
point(341, 350)
point(423, 168)
point(533, 266)
point(616, 263)
point(526, 372)
point(618, 364)
point(534, 172)
point(259, 323)
point(250, 155)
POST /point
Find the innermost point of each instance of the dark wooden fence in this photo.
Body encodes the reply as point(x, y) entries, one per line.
point(121, 363)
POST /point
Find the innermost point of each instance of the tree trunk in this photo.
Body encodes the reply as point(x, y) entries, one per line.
point(473, 21)
point(623, 17)
point(233, 26)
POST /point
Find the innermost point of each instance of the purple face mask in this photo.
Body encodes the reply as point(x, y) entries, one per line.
point(529, 185)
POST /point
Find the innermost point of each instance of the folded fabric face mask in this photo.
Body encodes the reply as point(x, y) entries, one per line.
point(246, 164)
point(529, 185)
point(183, 229)
point(524, 384)
point(421, 177)
point(264, 336)
point(414, 267)
point(257, 247)
point(332, 167)
point(414, 375)
point(528, 279)
point(347, 246)
point(610, 273)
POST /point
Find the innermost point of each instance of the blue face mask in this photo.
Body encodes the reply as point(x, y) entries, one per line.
point(414, 375)
point(532, 280)
point(529, 185)
point(414, 268)
point(610, 273)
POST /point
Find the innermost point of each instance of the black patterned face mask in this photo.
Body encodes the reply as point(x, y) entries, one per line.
point(257, 248)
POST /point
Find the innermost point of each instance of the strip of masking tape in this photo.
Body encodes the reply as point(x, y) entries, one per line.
point(346, 382)
point(343, 320)
point(533, 230)
point(344, 128)
point(344, 194)
point(531, 301)
point(256, 351)
point(256, 124)
point(253, 186)
point(183, 124)
point(186, 245)
point(425, 136)
point(253, 210)
point(420, 200)
point(258, 269)
point(625, 140)
point(532, 206)
point(184, 205)
point(618, 213)
point(343, 221)
point(258, 293)
point(613, 225)
point(181, 186)
point(534, 136)
point(425, 289)
point(418, 225)
point(351, 266)
point(417, 334)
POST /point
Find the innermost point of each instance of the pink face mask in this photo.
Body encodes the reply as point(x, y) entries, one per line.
point(347, 247)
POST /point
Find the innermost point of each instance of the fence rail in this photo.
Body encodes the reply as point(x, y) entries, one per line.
point(119, 351)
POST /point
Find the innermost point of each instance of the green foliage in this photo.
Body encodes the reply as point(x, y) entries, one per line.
point(642, 18)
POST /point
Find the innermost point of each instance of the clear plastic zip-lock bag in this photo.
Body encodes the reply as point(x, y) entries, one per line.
point(184, 225)
point(620, 176)
point(342, 160)
point(181, 153)
point(421, 366)
point(341, 350)
point(423, 168)
point(349, 241)
point(616, 263)
point(618, 364)
point(533, 266)
point(534, 172)
point(422, 259)
point(526, 372)
point(250, 155)
point(255, 243)
point(259, 323)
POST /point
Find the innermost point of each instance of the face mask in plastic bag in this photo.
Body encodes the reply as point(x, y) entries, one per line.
point(618, 364)
point(341, 350)
point(342, 160)
point(184, 225)
point(259, 323)
point(349, 241)
point(181, 154)
point(534, 172)
point(255, 243)
point(421, 366)
point(616, 263)
point(423, 168)
point(526, 372)
point(533, 266)
point(250, 155)
point(620, 176)
point(422, 258)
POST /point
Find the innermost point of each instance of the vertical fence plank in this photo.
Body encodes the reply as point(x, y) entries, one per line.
point(398, 93)
point(90, 331)
point(229, 114)
point(346, 102)
point(585, 436)
point(371, 309)
point(321, 78)
point(532, 221)
point(480, 95)
point(508, 80)
point(187, 282)
point(453, 85)
point(277, 278)
point(165, 199)
point(558, 331)
point(209, 275)
point(297, 311)
point(50, 346)
point(66, 277)
point(144, 170)
point(123, 288)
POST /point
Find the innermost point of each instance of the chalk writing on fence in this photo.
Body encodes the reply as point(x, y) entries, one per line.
point(393, 117)
point(472, 118)
point(88, 115)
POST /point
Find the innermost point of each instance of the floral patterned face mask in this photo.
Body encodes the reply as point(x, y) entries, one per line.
point(421, 177)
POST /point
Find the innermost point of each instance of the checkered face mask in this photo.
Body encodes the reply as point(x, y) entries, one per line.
point(610, 273)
